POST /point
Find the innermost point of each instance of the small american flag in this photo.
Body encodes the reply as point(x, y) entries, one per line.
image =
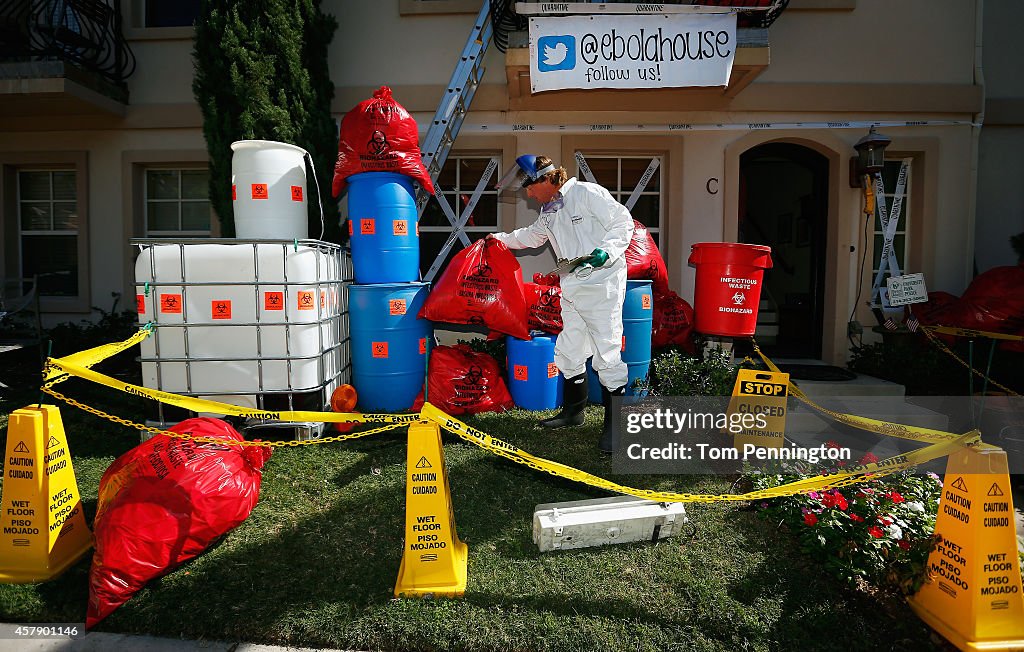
point(912, 324)
point(890, 324)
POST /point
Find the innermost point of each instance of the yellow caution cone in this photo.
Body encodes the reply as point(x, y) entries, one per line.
point(42, 526)
point(433, 560)
point(972, 595)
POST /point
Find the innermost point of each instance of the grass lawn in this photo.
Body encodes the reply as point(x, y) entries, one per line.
point(316, 563)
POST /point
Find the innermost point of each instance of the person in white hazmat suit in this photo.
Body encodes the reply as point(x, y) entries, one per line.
point(579, 219)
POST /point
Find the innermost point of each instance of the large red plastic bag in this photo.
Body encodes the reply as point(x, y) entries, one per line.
point(994, 301)
point(543, 307)
point(379, 135)
point(483, 286)
point(644, 261)
point(163, 503)
point(463, 381)
point(673, 321)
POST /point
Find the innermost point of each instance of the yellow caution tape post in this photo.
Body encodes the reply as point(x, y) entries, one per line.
point(762, 394)
point(973, 593)
point(42, 526)
point(434, 561)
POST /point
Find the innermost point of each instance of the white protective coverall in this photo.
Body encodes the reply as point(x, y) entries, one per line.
point(588, 218)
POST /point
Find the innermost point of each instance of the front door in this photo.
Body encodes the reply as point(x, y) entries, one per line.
point(784, 204)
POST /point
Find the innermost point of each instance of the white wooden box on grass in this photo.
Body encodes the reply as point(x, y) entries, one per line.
point(598, 522)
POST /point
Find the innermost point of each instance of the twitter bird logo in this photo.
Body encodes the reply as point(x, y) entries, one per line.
point(556, 53)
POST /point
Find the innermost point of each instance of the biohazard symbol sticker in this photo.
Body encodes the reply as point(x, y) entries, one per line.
point(645, 302)
point(220, 309)
point(273, 300)
point(367, 226)
point(379, 349)
point(396, 306)
point(323, 299)
point(423, 346)
point(296, 193)
point(306, 300)
point(552, 370)
point(259, 191)
point(234, 192)
point(623, 343)
point(400, 227)
point(519, 372)
point(350, 227)
point(170, 303)
point(140, 304)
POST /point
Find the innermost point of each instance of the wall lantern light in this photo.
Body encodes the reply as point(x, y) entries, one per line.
point(870, 157)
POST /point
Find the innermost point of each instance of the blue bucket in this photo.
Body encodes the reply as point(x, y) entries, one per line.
point(637, 319)
point(389, 344)
point(533, 379)
point(382, 223)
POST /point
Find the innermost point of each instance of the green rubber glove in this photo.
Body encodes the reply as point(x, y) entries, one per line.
point(598, 257)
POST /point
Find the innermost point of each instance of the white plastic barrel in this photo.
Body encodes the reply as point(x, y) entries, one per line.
point(268, 190)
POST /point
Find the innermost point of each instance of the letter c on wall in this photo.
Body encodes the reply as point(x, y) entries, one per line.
point(712, 186)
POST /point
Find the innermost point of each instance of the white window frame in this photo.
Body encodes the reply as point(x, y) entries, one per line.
point(146, 201)
point(10, 235)
point(622, 194)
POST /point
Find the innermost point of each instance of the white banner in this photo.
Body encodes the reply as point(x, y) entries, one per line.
point(631, 51)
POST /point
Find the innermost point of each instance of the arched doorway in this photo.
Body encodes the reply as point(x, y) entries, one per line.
point(783, 203)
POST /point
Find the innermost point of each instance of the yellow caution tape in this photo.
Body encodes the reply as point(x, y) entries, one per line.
point(913, 433)
point(945, 349)
point(60, 369)
point(968, 332)
point(850, 475)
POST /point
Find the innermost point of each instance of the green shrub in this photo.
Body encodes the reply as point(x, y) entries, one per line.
point(674, 373)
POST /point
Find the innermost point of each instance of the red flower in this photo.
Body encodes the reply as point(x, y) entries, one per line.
point(832, 444)
point(903, 544)
point(811, 519)
point(856, 517)
point(869, 458)
point(834, 499)
point(875, 532)
point(896, 497)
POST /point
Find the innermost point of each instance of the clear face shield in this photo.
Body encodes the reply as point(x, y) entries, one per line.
point(522, 174)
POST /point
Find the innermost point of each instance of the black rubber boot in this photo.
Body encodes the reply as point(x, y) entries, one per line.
point(606, 444)
point(574, 399)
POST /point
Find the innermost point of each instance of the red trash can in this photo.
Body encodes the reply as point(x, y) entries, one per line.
point(728, 286)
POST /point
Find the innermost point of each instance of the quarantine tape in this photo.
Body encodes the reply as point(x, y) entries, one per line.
point(852, 475)
point(675, 127)
point(42, 523)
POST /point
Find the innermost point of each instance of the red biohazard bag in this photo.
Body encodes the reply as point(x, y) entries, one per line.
point(379, 135)
point(994, 301)
point(163, 503)
point(644, 261)
point(464, 381)
point(673, 321)
point(482, 286)
point(544, 307)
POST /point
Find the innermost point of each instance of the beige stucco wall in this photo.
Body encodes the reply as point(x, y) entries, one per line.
point(919, 64)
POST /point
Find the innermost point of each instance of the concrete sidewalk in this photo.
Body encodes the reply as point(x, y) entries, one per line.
point(104, 642)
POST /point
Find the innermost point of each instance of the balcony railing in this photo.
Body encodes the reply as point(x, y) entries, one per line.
point(86, 33)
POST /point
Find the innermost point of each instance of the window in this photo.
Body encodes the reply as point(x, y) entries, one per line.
point(457, 181)
point(890, 177)
point(171, 13)
point(177, 202)
point(622, 176)
point(48, 229)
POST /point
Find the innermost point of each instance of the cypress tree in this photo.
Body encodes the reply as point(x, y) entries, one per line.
point(261, 73)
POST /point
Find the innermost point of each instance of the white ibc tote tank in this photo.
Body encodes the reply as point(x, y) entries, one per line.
point(268, 190)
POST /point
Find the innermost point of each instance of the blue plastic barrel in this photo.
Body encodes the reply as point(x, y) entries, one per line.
point(382, 223)
point(389, 344)
point(533, 379)
point(637, 319)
